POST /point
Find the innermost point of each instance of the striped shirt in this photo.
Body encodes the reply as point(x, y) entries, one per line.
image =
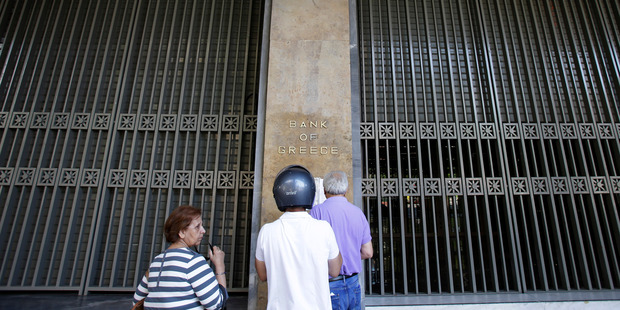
point(180, 279)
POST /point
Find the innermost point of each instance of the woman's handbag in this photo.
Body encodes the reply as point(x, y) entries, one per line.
point(139, 305)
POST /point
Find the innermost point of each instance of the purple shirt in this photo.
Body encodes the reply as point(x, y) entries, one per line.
point(351, 228)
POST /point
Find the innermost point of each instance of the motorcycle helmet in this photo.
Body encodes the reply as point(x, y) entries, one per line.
point(294, 187)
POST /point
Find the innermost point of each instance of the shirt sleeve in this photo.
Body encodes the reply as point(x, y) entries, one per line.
point(142, 290)
point(201, 277)
point(260, 255)
point(366, 237)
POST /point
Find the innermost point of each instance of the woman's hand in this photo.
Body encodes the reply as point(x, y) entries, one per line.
point(217, 257)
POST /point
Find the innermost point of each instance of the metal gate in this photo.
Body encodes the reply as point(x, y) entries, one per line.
point(489, 134)
point(113, 113)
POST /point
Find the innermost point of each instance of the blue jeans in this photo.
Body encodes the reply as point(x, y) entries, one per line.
point(346, 294)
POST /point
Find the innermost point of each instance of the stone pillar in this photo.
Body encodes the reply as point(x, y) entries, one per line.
point(308, 101)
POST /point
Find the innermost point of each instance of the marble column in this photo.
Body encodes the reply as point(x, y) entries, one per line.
point(308, 99)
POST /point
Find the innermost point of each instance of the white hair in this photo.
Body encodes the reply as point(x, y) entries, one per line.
point(336, 183)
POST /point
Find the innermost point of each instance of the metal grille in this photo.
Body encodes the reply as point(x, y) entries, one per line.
point(113, 113)
point(489, 134)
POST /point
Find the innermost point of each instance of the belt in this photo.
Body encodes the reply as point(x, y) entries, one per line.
point(340, 277)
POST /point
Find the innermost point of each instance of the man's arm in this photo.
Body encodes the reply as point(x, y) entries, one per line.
point(261, 269)
point(366, 250)
point(334, 265)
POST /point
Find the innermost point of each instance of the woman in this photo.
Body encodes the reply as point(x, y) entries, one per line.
point(179, 277)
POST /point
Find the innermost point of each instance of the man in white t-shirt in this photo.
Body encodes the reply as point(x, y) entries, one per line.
point(295, 253)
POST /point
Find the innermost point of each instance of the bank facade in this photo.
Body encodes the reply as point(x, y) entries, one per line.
point(481, 138)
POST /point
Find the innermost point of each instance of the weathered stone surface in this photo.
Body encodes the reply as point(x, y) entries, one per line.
point(308, 108)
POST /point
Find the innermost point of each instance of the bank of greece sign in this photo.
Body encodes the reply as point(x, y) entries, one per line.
point(308, 141)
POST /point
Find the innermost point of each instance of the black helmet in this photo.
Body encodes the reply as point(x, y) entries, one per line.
point(294, 187)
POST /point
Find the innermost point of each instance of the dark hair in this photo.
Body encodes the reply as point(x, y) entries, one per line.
point(180, 218)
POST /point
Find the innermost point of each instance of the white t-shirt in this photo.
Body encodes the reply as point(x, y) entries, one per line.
point(295, 249)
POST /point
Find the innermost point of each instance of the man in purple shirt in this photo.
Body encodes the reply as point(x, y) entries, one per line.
point(352, 235)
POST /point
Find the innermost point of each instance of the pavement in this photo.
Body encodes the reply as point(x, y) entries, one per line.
point(62, 301)
point(239, 301)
